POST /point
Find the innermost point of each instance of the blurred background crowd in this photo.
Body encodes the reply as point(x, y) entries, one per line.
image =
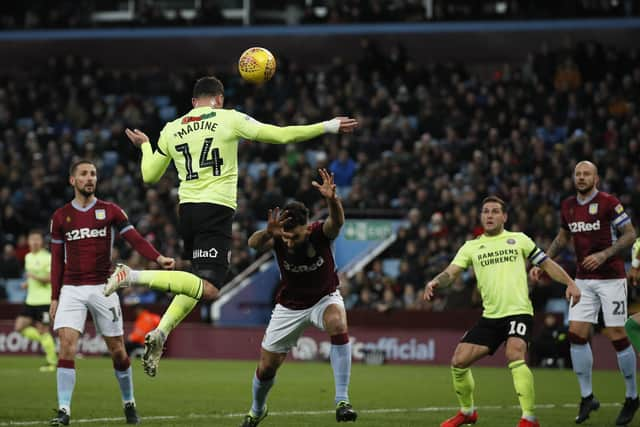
point(162, 13)
point(433, 142)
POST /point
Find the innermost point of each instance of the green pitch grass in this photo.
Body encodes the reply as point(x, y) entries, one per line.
point(206, 393)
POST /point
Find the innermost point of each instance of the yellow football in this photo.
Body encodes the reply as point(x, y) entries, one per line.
point(257, 65)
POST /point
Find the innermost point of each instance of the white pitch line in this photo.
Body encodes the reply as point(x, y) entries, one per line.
point(289, 413)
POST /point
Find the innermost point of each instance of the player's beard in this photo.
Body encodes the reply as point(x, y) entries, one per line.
point(586, 191)
point(86, 193)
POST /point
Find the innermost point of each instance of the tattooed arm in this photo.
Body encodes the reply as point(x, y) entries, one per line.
point(562, 239)
point(446, 277)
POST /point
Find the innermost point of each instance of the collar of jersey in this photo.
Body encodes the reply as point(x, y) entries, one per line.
point(496, 236)
point(584, 202)
point(80, 208)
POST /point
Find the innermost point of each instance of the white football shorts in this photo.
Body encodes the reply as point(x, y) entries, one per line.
point(286, 325)
point(74, 303)
point(610, 294)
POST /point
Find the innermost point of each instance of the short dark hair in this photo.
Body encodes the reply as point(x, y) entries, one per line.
point(207, 86)
point(36, 231)
point(298, 215)
point(74, 166)
point(495, 199)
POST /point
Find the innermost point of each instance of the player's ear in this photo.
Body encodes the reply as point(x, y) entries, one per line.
point(193, 102)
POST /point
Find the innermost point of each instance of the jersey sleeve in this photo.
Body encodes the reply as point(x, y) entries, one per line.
point(617, 213)
point(120, 220)
point(530, 250)
point(155, 163)
point(249, 128)
point(57, 235)
point(246, 126)
point(57, 255)
point(463, 257)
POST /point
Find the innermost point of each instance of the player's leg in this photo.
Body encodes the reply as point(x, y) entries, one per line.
point(632, 327)
point(329, 314)
point(107, 316)
point(518, 331)
point(46, 340)
point(205, 229)
point(177, 282)
point(66, 373)
point(24, 325)
point(581, 318)
point(613, 294)
point(263, 380)
point(483, 339)
point(124, 375)
point(464, 356)
point(69, 324)
point(283, 331)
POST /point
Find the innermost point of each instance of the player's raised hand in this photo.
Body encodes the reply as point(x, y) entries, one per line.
point(593, 261)
point(276, 222)
point(573, 294)
point(347, 124)
point(534, 274)
point(328, 187)
point(429, 290)
point(166, 262)
point(136, 136)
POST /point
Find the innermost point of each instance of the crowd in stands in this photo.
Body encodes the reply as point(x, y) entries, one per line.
point(149, 13)
point(433, 142)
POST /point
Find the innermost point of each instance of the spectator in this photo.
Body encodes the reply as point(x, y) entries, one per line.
point(145, 322)
point(344, 169)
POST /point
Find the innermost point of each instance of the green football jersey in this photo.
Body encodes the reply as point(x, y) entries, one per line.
point(38, 264)
point(203, 145)
point(500, 269)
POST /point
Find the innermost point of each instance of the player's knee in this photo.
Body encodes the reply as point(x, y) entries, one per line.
point(210, 292)
point(335, 325)
point(457, 361)
point(577, 339)
point(67, 348)
point(515, 352)
point(616, 333)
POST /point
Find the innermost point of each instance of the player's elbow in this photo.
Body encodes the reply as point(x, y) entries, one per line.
point(253, 243)
point(148, 177)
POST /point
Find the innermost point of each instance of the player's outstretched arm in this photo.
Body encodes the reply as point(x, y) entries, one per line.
point(153, 164)
point(446, 277)
point(561, 240)
point(291, 134)
point(335, 221)
point(262, 240)
point(558, 274)
point(147, 250)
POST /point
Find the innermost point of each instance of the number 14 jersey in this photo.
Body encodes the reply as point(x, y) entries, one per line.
point(203, 145)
